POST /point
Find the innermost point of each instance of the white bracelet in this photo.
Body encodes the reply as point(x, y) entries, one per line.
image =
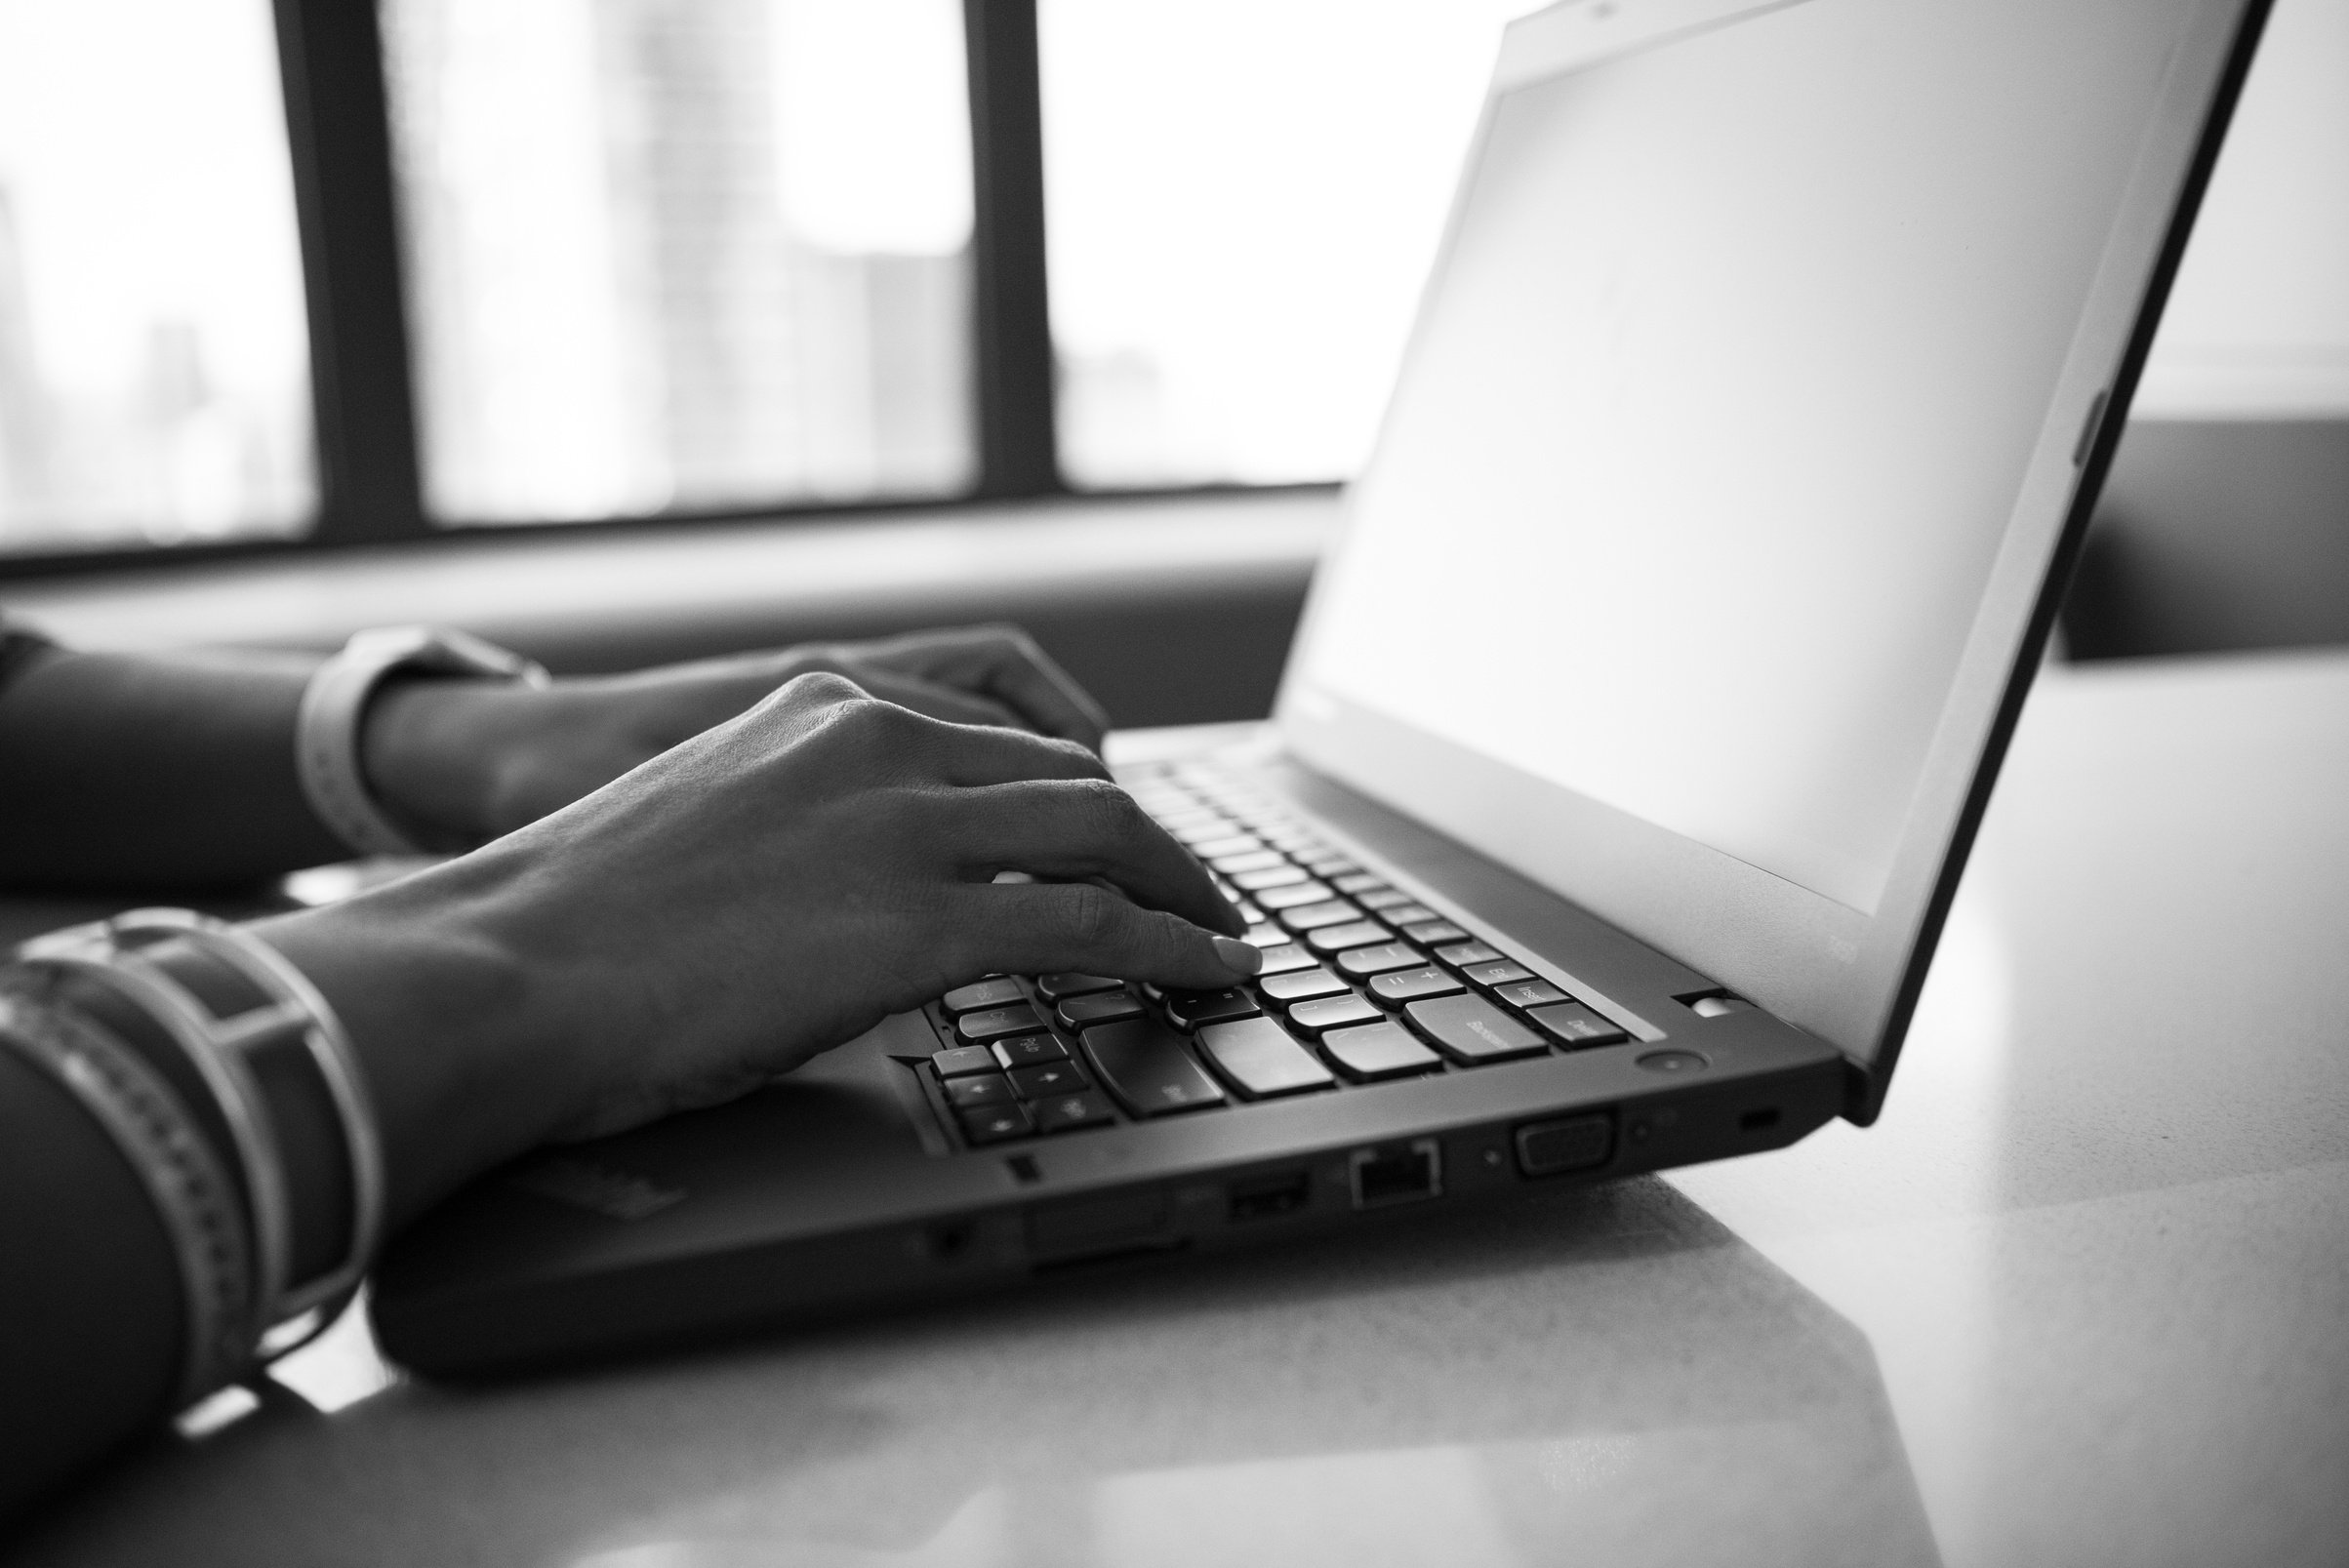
point(325, 741)
point(221, 1047)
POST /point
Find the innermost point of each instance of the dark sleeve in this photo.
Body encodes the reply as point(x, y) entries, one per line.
point(153, 772)
point(90, 1293)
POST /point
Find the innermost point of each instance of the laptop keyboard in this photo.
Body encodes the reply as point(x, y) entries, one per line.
point(1361, 985)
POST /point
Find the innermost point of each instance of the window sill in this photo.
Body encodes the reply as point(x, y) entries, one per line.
point(1174, 611)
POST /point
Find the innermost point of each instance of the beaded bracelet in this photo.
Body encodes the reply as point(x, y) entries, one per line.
point(192, 1193)
point(129, 956)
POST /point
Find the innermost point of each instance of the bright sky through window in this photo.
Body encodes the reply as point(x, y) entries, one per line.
point(153, 353)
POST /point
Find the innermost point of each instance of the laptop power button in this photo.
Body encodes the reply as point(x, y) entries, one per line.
point(1570, 1144)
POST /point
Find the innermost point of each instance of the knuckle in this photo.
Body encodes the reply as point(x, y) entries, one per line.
point(1107, 810)
point(1089, 915)
point(822, 686)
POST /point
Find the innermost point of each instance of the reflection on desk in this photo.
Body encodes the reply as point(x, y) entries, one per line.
point(2078, 1298)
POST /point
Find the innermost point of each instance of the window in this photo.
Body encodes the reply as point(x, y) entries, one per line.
point(154, 384)
point(1241, 200)
point(292, 273)
point(684, 255)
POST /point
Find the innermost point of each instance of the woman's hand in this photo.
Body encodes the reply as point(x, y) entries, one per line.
point(459, 762)
point(760, 892)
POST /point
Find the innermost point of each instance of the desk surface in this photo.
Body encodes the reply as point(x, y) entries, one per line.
point(2080, 1297)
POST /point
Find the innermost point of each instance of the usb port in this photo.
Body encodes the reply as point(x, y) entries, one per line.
point(1264, 1196)
point(1396, 1172)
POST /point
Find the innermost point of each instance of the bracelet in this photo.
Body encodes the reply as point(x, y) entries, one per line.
point(326, 739)
point(193, 1193)
point(133, 957)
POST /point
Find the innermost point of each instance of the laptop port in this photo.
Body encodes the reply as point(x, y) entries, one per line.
point(1396, 1172)
point(1264, 1196)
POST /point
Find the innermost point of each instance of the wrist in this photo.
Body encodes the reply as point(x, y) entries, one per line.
point(467, 1063)
point(425, 756)
point(425, 778)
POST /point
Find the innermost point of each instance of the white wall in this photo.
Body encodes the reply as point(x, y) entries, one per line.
point(2258, 327)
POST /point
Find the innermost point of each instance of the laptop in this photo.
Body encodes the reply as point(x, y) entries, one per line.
point(1630, 748)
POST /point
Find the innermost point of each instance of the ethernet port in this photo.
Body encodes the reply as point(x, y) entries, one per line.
point(1396, 1172)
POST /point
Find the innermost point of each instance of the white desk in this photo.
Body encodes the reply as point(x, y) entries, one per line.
point(2081, 1297)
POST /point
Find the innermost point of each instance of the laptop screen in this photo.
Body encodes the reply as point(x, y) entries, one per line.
point(1721, 405)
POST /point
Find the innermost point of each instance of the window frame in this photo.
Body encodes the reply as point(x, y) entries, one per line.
point(369, 461)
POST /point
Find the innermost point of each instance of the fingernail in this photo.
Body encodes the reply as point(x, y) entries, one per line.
point(1240, 958)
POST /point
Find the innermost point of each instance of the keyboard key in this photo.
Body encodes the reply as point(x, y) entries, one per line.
point(1577, 1025)
point(1409, 914)
point(1410, 984)
point(1364, 882)
point(1334, 1013)
point(963, 1059)
point(1028, 1050)
point(1046, 1079)
point(1471, 1030)
point(1188, 1010)
point(1143, 1062)
point(1498, 972)
point(1056, 986)
point(995, 1123)
point(1378, 1050)
point(1305, 891)
point(1267, 934)
point(995, 1022)
point(980, 1090)
point(1379, 897)
point(1465, 954)
point(1362, 961)
point(1211, 849)
point(1249, 914)
point(1258, 1056)
point(1001, 991)
point(1327, 866)
point(1430, 932)
point(1200, 826)
point(1336, 939)
point(1529, 994)
point(1270, 877)
point(1283, 958)
point(1300, 986)
point(1255, 860)
point(1328, 913)
point(1062, 1112)
point(1083, 1012)
point(1296, 843)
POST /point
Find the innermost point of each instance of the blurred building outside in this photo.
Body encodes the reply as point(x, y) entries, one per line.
point(615, 309)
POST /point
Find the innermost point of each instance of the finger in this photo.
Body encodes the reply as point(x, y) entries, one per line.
point(1039, 928)
point(974, 757)
point(1078, 831)
point(936, 701)
point(1002, 663)
point(833, 712)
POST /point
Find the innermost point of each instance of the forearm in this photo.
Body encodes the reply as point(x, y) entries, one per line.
point(131, 770)
point(462, 1035)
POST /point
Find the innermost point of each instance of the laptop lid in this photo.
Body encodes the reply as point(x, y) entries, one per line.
point(1748, 427)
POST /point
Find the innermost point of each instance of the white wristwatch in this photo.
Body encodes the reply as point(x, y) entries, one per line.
point(326, 738)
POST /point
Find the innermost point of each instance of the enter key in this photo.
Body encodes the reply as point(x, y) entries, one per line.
point(1473, 1030)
